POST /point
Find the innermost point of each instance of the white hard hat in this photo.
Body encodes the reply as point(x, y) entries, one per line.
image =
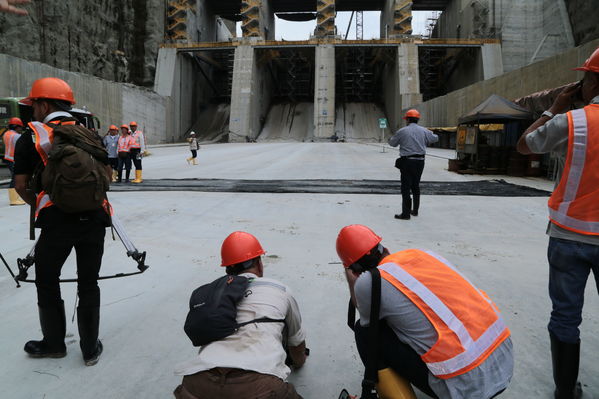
point(192, 133)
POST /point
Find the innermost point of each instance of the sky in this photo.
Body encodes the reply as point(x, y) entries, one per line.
point(302, 30)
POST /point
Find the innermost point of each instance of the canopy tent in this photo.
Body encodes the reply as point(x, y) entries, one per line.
point(495, 109)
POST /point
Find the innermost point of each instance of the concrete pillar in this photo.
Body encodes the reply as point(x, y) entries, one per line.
point(257, 19)
point(325, 18)
point(324, 92)
point(396, 18)
point(243, 95)
point(492, 60)
point(409, 75)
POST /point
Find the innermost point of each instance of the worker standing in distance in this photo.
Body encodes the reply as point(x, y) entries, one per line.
point(441, 333)
point(412, 140)
point(10, 137)
point(111, 142)
point(250, 363)
point(61, 230)
point(193, 147)
point(137, 147)
point(124, 153)
point(574, 216)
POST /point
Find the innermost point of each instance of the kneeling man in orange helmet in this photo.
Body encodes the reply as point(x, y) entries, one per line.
point(436, 329)
point(251, 362)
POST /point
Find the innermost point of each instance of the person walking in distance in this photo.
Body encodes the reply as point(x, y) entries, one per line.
point(69, 215)
point(123, 149)
point(193, 147)
point(574, 216)
point(412, 140)
point(250, 361)
point(111, 142)
point(137, 147)
point(10, 137)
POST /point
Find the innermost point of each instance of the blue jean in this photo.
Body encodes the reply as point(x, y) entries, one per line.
point(570, 263)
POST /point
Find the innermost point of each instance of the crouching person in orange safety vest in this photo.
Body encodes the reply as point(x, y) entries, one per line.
point(243, 332)
point(436, 330)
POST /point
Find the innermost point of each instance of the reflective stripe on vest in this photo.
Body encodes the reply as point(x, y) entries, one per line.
point(135, 139)
point(44, 136)
point(124, 144)
point(574, 204)
point(468, 325)
point(10, 138)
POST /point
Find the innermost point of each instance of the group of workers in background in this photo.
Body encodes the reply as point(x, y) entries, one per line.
point(124, 149)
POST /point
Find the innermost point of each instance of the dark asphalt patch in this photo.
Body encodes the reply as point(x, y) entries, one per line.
point(489, 188)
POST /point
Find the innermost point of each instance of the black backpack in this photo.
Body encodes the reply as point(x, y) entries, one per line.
point(75, 177)
point(213, 310)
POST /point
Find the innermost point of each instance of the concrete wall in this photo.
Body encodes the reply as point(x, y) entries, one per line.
point(112, 103)
point(530, 30)
point(549, 73)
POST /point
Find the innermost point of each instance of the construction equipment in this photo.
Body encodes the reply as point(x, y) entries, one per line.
point(25, 263)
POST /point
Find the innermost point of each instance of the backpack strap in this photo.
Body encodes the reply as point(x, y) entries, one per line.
point(371, 371)
point(260, 320)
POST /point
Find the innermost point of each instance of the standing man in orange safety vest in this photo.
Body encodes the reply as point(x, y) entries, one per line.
point(137, 148)
point(437, 330)
point(61, 231)
point(10, 137)
point(574, 216)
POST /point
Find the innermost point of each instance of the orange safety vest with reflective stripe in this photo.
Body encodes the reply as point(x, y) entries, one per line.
point(124, 143)
point(10, 138)
point(136, 139)
point(468, 324)
point(44, 137)
point(574, 204)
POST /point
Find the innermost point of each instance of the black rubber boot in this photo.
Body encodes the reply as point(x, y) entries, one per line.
point(120, 176)
point(88, 321)
point(54, 328)
point(565, 359)
point(127, 173)
point(415, 205)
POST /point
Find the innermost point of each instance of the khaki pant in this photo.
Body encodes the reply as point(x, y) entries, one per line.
point(227, 383)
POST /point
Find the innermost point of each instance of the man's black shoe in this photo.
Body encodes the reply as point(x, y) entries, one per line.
point(402, 217)
point(91, 361)
point(414, 213)
point(40, 349)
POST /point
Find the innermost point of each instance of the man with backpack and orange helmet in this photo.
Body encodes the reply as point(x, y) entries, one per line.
point(69, 215)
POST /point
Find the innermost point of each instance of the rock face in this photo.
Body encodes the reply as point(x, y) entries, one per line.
point(114, 40)
point(584, 15)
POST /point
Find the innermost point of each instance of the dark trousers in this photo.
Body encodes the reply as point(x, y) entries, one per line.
point(11, 169)
point(194, 153)
point(395, 354)
point(124, 162)
point(411, 172)
point(570, 263)
point(136, 157)
point(114, 163)
point(226, 383)
point(53, 248)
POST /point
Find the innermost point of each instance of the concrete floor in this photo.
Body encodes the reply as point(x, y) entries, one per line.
point(499, 243)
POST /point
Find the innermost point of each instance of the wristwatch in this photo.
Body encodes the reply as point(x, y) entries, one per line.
point(548, 114)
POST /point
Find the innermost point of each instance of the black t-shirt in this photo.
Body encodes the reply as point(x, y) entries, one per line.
point(27, 160)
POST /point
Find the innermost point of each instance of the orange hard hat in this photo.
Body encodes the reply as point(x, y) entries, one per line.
point(239, 247)
point(355, 241)
point(113, 127)
point(591, 64)
point(50, 89)
point(133, 123)
point(412, 113)
point(124, 127)
point(15, 121)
